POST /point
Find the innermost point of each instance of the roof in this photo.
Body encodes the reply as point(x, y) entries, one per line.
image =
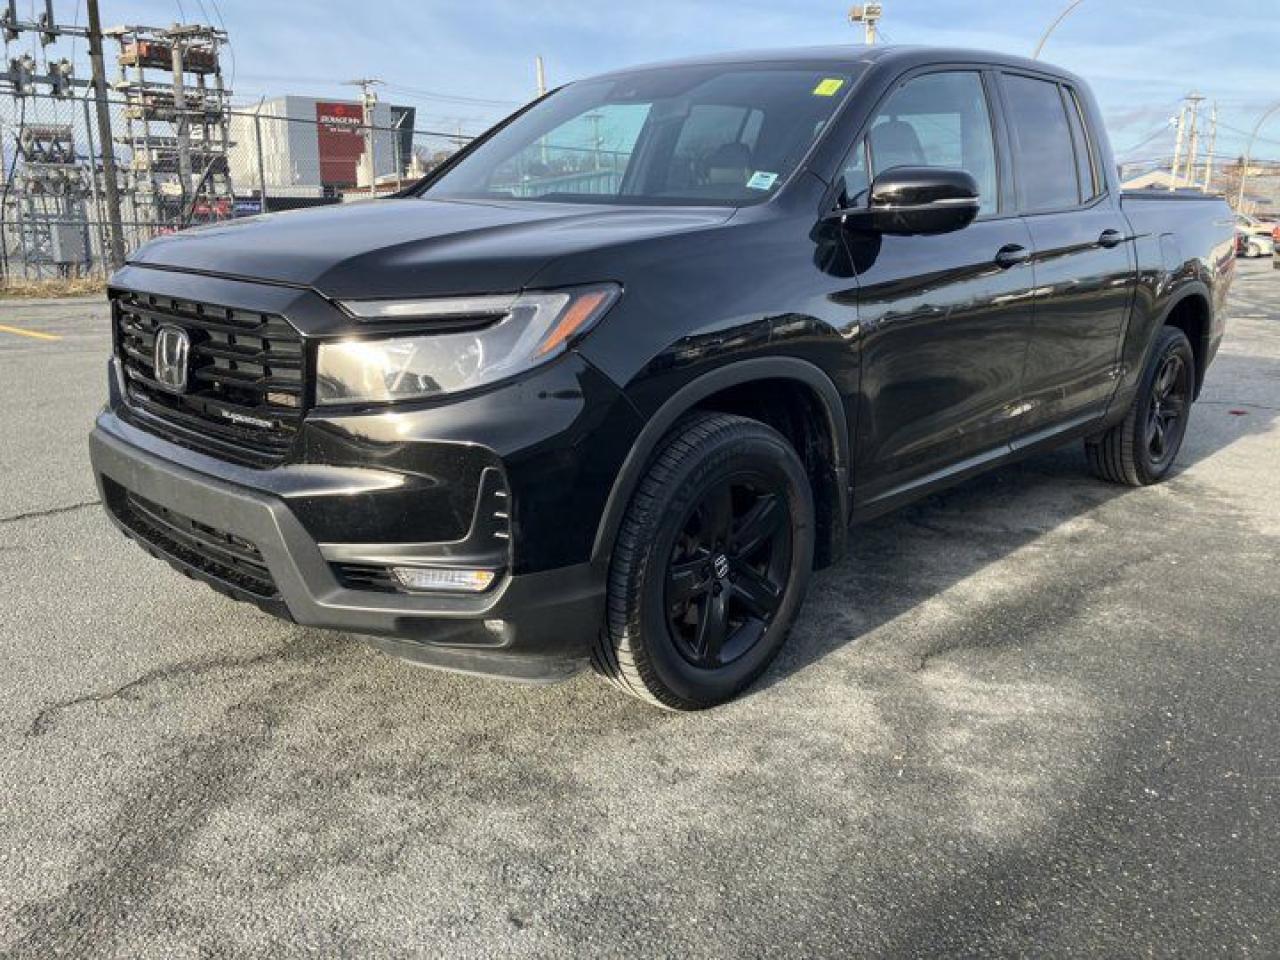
point(890, 55)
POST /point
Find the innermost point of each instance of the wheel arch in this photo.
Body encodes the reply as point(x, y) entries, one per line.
point(1191, 311)
point(719, 385)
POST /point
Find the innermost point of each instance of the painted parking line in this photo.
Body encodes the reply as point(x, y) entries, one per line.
point(35, 334)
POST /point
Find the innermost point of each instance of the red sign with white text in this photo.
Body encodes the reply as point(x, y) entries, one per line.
point(340, 142)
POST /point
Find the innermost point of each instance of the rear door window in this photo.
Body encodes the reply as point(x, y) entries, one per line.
point(1085, 168)
point(1043, 150)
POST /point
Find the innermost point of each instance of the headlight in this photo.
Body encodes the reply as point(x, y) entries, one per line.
point(480, 340)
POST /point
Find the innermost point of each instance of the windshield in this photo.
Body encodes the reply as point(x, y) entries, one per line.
point(726, 134)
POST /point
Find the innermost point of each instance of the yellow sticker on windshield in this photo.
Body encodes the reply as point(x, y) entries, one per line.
point(828, 87)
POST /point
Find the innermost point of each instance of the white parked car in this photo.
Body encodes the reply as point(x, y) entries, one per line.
point(1255, 227)
point(1252, 245)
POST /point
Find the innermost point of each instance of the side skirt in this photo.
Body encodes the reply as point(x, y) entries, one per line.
point(1003, 455)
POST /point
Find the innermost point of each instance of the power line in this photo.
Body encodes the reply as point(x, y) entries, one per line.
point(75, 22)
point(1163, 131)
point(231, 50)
point(453, 98)
point(1245, 133)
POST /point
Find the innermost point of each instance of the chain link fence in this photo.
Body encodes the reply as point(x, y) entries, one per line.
point(178, 168)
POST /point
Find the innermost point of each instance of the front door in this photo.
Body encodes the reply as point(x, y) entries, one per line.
point(945, 319)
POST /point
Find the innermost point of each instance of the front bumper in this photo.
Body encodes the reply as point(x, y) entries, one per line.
point(534, 626)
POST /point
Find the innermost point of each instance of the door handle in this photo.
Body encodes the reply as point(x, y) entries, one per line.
point(1110, 238)
point(1012, 254)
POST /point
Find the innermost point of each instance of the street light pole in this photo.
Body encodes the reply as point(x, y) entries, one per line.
point(1053, 26)
point(1248, 152)
point(867, 14)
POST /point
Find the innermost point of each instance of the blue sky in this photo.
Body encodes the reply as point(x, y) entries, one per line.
point(467, 63)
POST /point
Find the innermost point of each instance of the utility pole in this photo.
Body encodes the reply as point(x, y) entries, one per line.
point(257, 143)
point(541, 70)
point(595, 119)
point(1193, 151)
point(368, 100)
point(867, 14)
point(1213, 144)
point(110, 187)
point(1177, 148)
point(181, 122)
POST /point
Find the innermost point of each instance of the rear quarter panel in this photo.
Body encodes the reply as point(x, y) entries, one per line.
point(1185, 246)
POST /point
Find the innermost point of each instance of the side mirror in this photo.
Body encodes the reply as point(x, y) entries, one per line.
point(919, 200)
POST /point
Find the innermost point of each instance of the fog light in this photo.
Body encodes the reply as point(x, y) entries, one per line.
point(439, 578)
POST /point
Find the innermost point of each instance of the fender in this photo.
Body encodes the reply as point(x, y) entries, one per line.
point(688, 397)
point(1184, 291)
point(1128, 387)
point(1188, 288)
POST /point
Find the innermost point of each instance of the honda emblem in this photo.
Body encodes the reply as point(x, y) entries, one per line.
point(173, 347)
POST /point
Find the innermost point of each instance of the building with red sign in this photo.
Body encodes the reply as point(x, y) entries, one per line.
point(313, 148)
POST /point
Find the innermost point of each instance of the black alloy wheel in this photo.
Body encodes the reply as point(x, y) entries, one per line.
point(1141, 448)
point(1167, 411)
point(728, 571)
point(710, 564)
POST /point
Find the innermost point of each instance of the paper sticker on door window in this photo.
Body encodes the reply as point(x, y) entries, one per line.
point(828, 87)
point(762, 181)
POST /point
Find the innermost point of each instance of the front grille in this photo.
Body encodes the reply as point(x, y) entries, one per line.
point(216, 553)
point(244, 396)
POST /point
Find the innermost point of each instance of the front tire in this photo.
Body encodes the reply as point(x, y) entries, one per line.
point(1141, 448)
point(710, 566)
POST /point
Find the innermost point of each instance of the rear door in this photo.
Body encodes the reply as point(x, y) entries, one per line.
point(1083, 257)
point(944, 319)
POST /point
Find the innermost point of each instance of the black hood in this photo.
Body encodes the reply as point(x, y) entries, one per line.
point(412, 247)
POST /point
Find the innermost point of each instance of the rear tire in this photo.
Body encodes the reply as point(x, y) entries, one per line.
point(1140, 450)
point(710, 566)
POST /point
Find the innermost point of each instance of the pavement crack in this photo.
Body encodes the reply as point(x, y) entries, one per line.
point(159, 817)
point(50, 512)
point(47, 717)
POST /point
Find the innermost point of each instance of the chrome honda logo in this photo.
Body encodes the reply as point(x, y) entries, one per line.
point(173, 347)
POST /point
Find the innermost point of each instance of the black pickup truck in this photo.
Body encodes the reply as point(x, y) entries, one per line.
point(609, 384)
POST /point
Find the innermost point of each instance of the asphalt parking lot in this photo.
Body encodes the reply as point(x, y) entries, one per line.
point(1034, 715)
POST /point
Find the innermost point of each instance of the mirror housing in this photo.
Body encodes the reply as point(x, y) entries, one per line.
point(916, 200)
